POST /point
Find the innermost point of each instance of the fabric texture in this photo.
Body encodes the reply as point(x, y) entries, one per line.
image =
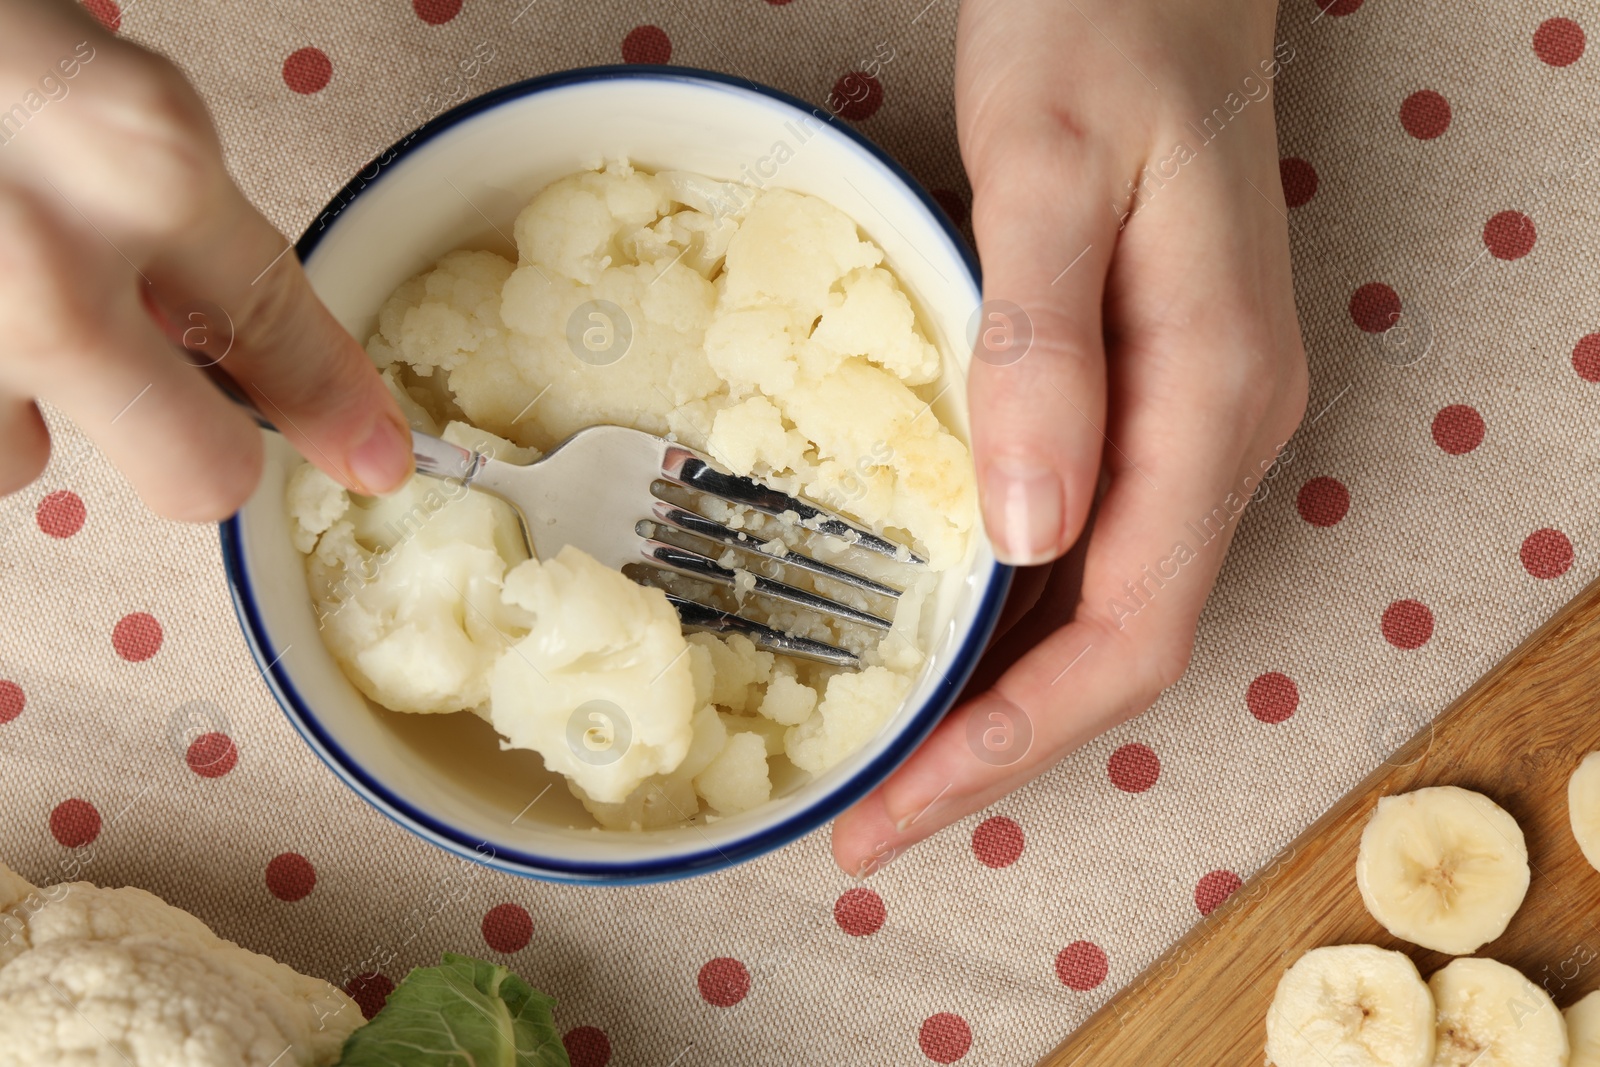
point(1433, 509)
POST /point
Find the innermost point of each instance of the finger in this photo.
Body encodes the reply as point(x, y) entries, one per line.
point(24, 443)
point(179, 220)
point(79, 337)
point(1058, 694)
point(1160, 534)
point(1036, 387)
point(233, 288)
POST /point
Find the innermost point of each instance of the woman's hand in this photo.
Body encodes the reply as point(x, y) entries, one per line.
point(1130, 218)
point(122, 237)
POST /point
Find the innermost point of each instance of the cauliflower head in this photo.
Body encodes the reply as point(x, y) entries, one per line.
point(93, 977)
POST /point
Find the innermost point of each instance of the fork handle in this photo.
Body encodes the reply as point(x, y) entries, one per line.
point(433, 455)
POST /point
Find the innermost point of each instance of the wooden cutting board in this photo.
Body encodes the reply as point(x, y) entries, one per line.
point(1515, 736)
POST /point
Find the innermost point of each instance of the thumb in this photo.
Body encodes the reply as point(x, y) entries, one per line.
point(1037, 383)
point(237, 297)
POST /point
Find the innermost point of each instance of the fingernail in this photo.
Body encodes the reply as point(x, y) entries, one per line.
point(383, 461)
point(1023, 508)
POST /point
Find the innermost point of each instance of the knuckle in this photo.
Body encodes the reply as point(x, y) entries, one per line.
point(212, 493)
point(166, 153)
point(27, 448)
point(1157, 656)
point(1164, 663)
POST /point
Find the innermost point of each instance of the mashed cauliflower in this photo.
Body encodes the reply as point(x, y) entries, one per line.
point(776, 340)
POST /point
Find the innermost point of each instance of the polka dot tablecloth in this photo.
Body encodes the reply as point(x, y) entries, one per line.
point(1439, 161)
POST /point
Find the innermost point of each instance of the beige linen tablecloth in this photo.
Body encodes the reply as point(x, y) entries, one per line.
point(1434, 508)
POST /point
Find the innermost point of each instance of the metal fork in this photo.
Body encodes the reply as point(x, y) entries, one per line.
point(595, 490)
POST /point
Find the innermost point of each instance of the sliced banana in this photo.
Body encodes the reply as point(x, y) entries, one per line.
point(1444, 868)
point(1491, 1016)
point(1583, 1031)
point(1354, 1006)
point(1583, 807)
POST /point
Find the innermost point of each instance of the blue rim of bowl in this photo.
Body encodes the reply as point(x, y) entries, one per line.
point(702, 861)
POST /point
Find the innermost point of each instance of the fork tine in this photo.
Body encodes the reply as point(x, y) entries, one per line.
point(697, 616)
point(682, 561)
point(688, 468)
point(678, 519)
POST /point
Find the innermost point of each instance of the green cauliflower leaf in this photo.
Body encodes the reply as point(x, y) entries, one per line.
point(462, 1013)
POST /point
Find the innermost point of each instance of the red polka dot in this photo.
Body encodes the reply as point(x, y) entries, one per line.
point(1213, 889)
point(1458, 429)
point(997, 842)
point(1339, 8)
point(1407, 624)
point(61, 514)
point(12, 701)
point(212, 755)
point(1323, 501)
point(1559, 42)
point(724, 982)
point(1299, 181)
point(856, 96)
point(436, 12)
point(370, 992)
point(75, 822)
point(953, 205)
point(107, 12)
point(507, 927)
point(859, 912)
point(1586, 357)
point(1272, 697)
point(1375, 307)
point(1134, 768)
point(290, 877)
point(1547, 553)
point(1082, 966)
point(587, 1046)
point(307, 70)
point(136, 637)
point(1425, 115)
point(944, 1038)
point(1509, 235)
point(646, 44)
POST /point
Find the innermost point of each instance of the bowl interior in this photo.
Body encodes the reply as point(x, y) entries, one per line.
point(461, 186)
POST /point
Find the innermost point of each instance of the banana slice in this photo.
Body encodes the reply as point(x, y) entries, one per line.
point(1583, 1031)
point(1351, 1005)
point(1491, 1016)
point(1583, 807)
point(1444, 868)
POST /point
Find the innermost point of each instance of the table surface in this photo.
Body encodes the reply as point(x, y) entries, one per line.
point(1425, 519)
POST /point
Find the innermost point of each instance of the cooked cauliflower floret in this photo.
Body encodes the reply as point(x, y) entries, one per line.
point(875, 321)
point(737, 779)
point(737, 665)
point(853, 709)
point(790, 251)
point(786, 700)
point(602, 652)
point(439, 319)
point(316, 502)
point(750, 436)
point(408, 590)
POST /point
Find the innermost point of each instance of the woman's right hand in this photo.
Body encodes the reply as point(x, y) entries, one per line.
point(122, 236)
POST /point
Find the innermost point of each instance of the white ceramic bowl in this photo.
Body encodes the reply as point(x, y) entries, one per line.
point(442, 776)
